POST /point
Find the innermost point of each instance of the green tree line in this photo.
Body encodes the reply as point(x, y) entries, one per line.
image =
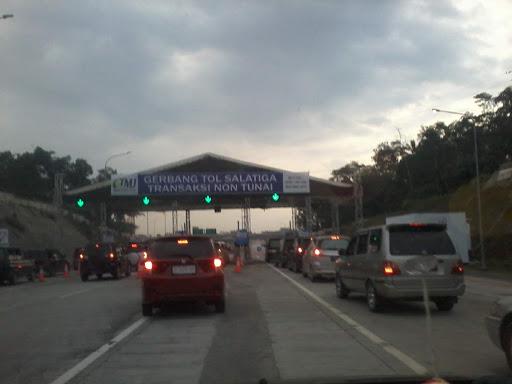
point(31, 174)
point(439, 161)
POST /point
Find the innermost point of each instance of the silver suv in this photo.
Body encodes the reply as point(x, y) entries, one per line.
point(319, 257)
point(397, 262)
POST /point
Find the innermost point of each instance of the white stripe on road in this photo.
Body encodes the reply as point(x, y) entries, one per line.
point(71, 373)
point(76, 292)
point(393, 351)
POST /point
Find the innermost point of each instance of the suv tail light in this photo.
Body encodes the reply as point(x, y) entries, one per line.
point(458, 268)
point(390, 269)
point(317, 252)
point(148, 265)
point(300, 250)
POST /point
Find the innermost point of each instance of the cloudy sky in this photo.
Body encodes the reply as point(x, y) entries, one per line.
point(301, 85)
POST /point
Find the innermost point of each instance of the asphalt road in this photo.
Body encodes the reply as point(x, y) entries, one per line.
point(278, 325)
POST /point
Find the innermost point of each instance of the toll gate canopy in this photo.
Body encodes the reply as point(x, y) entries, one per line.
point(210, 181)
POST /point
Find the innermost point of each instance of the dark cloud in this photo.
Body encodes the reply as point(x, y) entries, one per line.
point(88, 78)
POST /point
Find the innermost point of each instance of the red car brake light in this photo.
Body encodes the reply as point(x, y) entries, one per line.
point(317, 252)
point(458, 268)
point(148, 265)
point(390, 269)
point(300, 250)
point(217, 262)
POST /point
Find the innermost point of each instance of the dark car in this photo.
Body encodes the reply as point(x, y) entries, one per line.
point(293, 250)
point(274, 249)
point(51, 261)
point(182, 268)
point(15, 265)
point(101, 258)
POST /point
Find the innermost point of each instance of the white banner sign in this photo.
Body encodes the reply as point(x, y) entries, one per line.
point(295, 182)
point(127, 185)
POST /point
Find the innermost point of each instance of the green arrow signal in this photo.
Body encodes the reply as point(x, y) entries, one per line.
point(80, 202)
point(145, 200)
point(207, 199)
point(275, 196)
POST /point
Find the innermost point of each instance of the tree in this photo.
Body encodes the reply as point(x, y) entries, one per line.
point(346, 174)
point(105, 174)
point(31, 174)
point(386, 157)
point(78, 174)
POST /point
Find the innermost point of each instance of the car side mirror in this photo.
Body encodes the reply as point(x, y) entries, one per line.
point(342, 252)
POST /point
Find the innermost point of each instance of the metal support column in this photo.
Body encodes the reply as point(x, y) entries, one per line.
point(308, 211)
point(246, 214)
point(187, 221)
point(335, 216)
point(174, 217)
point(103, 214)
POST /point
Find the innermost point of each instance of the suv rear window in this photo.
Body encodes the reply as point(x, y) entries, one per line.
point(334, 245)
point(98, 249)
point(181, 247)
point(304, 243)
point(419, 240)
point(274, 243)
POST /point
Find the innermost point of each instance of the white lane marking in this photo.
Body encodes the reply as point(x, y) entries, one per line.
point(393, 351)
point(72, 372)
point(76, 292)
point(407, 360)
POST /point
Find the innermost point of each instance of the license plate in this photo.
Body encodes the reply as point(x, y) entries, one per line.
point(184, 270)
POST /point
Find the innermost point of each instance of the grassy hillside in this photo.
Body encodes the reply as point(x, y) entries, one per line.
point(31, 228)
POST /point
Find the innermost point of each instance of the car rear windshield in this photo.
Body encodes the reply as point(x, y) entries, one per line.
point(186, 247)
point(420, 240)
point(97, 249)
point(304, 243)
point(274, 243)
point(334, 245)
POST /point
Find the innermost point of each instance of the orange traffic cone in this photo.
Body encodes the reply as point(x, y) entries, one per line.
point(66, 270)
point(41, 275)
point(238, 266)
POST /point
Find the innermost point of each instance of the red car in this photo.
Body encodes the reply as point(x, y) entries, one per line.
point(182, 268)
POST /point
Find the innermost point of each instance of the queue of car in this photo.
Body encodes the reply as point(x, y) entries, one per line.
point(17, 264)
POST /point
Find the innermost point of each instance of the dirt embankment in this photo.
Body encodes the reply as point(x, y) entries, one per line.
point(34, 225)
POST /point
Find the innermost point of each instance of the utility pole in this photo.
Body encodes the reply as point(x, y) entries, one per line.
point(483, 262)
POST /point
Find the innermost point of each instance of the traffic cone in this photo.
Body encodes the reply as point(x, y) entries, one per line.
point(238, 266)
point(41, 275)
point(66, 270)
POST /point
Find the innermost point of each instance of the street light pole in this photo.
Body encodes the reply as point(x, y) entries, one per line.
point(113, 157)
point(483, 262)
